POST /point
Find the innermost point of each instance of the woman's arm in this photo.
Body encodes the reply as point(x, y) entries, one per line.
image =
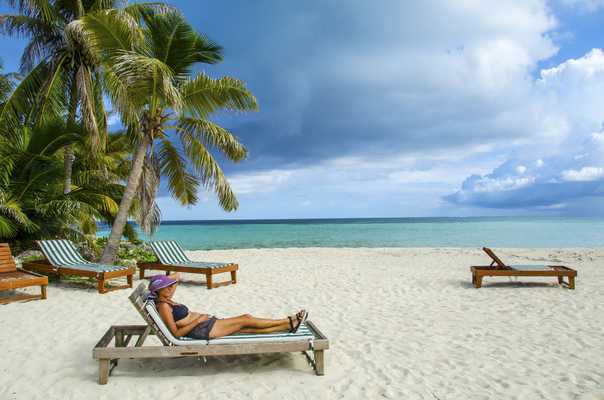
point(165, 312)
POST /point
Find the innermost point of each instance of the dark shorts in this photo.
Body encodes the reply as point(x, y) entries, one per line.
point(202, 330)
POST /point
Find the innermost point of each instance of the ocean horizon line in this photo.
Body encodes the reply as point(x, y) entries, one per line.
point(373, 219)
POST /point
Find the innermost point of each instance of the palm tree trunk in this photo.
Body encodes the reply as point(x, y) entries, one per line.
point(121, 218)
point(68, 156)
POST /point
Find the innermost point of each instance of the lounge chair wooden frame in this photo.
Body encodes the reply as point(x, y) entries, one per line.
point(499, 268)
point(121, 336)
point(208, 272)
point(46, 268)
point(12, 278)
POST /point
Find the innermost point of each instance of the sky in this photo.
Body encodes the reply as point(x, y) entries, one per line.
point(407, 109)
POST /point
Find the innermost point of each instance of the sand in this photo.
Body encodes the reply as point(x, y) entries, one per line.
point(403, 323)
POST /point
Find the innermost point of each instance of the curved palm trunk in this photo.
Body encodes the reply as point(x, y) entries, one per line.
point(68, 156)
point(121, 219)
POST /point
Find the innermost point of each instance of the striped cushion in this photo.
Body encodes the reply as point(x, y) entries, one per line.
point(202, 264)
point(170, 253)
point(63, 253)
point(303, 334)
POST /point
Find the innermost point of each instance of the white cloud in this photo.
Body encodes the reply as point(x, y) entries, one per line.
point(488, 184)
point(255, 182)
point(585, 174)
point(364, 110)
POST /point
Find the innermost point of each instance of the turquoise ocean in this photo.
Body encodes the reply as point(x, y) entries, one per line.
point(383, 232)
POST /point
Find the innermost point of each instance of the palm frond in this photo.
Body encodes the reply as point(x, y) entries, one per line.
point(174, 41)
point(88, 102)
point(181, 184)
point(213, 135)
point(203, 95)
point(138, 10)
point(209, 172)
point(21, 102)
point(110, 30)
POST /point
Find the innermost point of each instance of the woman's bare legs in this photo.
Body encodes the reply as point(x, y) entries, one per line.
point(248, 324)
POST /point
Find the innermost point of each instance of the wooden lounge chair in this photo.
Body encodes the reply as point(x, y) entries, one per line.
point(62, 258)
point(12, 278)
point(308, 338)
point(499, 268)
point(172, 258)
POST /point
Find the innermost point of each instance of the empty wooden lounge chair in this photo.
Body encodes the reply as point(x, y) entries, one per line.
point(12, 278)
point(499, 268)
point(62, 258)
point(115, 343)
point(172, 258)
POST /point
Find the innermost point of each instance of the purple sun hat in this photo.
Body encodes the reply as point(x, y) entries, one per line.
point(157, 283)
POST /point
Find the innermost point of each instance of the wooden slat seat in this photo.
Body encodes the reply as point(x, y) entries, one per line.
point(12, 278)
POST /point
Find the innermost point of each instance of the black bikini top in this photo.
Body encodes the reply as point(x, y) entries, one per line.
point(179, 311)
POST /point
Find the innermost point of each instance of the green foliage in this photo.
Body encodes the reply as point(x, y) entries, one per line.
point(148, 70)
point(32, 203)
point(142, 57)
point(129, 251)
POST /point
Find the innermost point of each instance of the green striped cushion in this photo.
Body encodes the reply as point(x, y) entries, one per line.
point(63, 253)
point(169, 252)
point(303, 334)
point(203, 264)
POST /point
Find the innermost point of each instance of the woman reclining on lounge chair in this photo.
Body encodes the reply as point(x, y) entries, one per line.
point(183, 322)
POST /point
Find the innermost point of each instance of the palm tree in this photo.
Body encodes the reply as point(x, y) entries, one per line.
point(147, 65)
point(62, 72)
point(32, 202)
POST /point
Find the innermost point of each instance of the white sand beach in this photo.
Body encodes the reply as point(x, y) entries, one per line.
point(403, 324)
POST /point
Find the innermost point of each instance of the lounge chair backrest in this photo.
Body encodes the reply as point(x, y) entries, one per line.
point(496, 260)
point(61, 252)
point(7, 263)
point(169, 252)
point(138, 298)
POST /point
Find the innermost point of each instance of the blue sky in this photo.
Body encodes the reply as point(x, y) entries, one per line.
point(432, 108)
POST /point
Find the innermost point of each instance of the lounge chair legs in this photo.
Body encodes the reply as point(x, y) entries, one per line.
point(43, 292)
point(477, 281)
point(103, 371)
point(233, 277)
point(319, 362)
point(209, 283)
point(101, 286)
